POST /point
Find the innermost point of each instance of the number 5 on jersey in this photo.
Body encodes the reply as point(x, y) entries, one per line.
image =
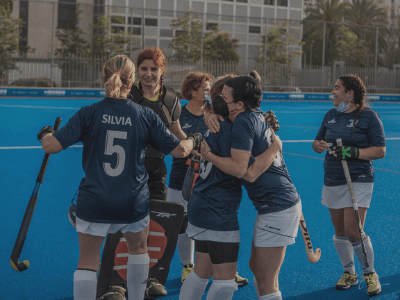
point(111, 149)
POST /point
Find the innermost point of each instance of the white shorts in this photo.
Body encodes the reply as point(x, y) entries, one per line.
point(176, 196)
point(338, 197)
point(201, 234)
point(277, 229)
point(102, 229)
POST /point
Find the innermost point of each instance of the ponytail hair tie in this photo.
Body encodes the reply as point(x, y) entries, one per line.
point(118, 73)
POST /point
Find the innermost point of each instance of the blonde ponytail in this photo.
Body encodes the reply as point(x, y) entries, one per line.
point(118, 76)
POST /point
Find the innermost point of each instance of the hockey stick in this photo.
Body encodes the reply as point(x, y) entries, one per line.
point(23, 231)
point(354, 201)
point(312, 257)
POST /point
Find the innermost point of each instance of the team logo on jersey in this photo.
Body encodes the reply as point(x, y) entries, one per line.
point(156, 247)
point(163, 214)
point(187, 125)
point(332, 121)
point(351, 123)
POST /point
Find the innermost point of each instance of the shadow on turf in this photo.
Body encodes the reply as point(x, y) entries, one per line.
point(390, 285)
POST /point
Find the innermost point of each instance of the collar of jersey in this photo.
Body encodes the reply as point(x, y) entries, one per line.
point(158, 96)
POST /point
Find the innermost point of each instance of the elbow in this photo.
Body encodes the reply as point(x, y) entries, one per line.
point(382, 152)
point(241, 172)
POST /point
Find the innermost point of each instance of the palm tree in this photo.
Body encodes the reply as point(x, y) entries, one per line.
point(331, 12)
point(369, 14)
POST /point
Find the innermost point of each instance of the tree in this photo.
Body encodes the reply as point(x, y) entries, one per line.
point(10, 34)
point(351, 49)
point(369, 14)
point(72, 38)
point(278, 42)
point(219, 46)
point(7, 5)
point(107, 41)
point(187, 40)
point(390, 54)
point(329, 11)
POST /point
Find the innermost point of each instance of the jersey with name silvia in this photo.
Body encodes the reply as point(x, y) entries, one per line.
point(216, 196)
point(367, 133)
point(114, 133)
point(274, 190)
point(190, 123)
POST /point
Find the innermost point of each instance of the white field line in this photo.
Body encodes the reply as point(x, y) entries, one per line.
point(80, 146)
point(39, 107)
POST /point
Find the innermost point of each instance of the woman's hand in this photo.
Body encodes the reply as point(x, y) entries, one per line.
point(212, 121)
point(204, 149)
point(276, 141)
point(320, 146)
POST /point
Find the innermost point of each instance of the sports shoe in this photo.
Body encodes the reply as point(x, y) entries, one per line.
point(347, 281)
point(240, 280)
point(373, 285)
point(154, 289)
point(186, 271)
point(114, 292)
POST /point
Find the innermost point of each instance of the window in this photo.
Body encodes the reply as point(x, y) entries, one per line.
point(135, 30)
point(269, 2)
point(212, 26)
point(150, 22)
point(282, 3)
point(117, 29)
point(135, 21)
point(254, 29)
point(166, 33)
point(243, 1)
point(66, 14)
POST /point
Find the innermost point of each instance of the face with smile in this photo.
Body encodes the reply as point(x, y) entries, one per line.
point(149, 73)
point(339, 94)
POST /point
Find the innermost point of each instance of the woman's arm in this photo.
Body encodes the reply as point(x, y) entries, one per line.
point(51, 145)
point(236, 165)
point(177, 130)
point(264, 160)
point(372, 153)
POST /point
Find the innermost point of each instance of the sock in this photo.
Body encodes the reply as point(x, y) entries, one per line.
point(345, 251)
point(274, 296)
point(193, 287)
point(370, 254)
point(256, 287)
point(185, 247)
point(222, 290)
point(137, 273)
point(85, 285)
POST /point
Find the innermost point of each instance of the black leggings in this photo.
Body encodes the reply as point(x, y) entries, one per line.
point(220, 253)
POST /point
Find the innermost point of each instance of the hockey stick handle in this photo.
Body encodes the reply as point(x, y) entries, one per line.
point(47, 156)
point(353, 200)
point(312, 257)
point(26, 221)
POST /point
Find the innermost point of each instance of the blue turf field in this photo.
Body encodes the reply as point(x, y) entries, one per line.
point(52, 246)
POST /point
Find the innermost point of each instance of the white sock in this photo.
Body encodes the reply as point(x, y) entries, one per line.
point(185, 247)
point(345, 251)
point(193, 287)
point(370, 254)
point(137, 273)
point(222, 290)
point(274, 296)
point(85, 285)
point(256, 287)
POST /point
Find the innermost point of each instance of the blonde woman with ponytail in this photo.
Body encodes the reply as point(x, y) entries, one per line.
point(113, 195)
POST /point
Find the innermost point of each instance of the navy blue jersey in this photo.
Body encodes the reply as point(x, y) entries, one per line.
point(114, 133)
point(368, 133)
point(190, 124)
point(274, 190)
point(216, 196)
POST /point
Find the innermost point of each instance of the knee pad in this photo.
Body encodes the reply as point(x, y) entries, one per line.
point(224, 286)
point(184, 223)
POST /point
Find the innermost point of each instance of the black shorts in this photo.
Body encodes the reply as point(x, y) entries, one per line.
point(220, 253)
